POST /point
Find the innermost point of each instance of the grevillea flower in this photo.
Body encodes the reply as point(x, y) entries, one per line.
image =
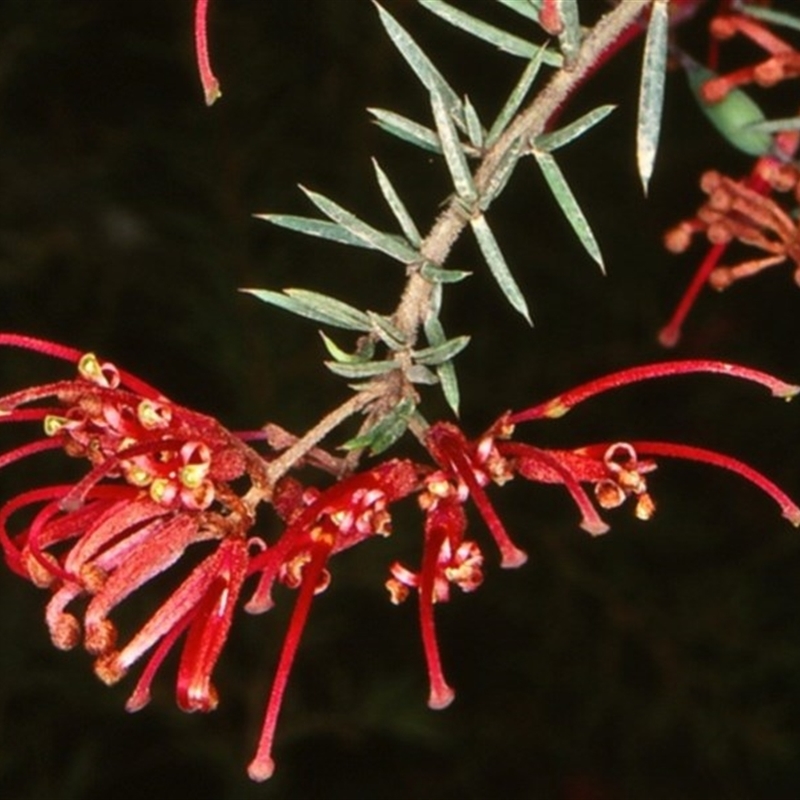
point(163, 480)
point(615, 470)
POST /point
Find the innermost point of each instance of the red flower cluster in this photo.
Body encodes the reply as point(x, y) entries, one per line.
point(743, 210)
point(163, 479)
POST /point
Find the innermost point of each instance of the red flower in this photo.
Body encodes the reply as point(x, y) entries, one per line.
point(207, 78)
point(163, 480)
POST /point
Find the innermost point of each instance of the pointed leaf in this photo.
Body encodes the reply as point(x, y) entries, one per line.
point(497, 264)
point(474, 127)
point(505, 168)
point(516, 98)
point(364, 352)
point(315, 227)
point(501, 39)
point(430, 77)
point(554, 139)
point(366, 369)
point(384, 433)
point(527, 9)
point(406, 129)
point(318, 307)
point(651, 90)
point(390, 245)
point(570, 38)
point(388, 332)
point(397, 206)
point(436, 274)
point(447, 371)
point(569, 205)
point(438, 354)
point(453, 152)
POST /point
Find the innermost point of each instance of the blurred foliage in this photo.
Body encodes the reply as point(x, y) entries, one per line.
point(662, 661)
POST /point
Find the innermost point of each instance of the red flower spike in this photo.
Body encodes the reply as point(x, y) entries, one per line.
point(561, 404)
point(262, 766)
point(451, 450)
point(207, 78)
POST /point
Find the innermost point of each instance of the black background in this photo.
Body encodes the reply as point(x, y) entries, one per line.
point(661, 661)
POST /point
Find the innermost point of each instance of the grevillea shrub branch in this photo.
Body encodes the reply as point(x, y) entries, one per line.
point(231, 515)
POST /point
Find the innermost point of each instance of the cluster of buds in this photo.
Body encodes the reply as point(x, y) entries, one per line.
point(759, 209)
point(163, 480)
point(783, 61)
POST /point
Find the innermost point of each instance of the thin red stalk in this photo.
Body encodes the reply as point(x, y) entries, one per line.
point(207, 78)
point(670, 334)
point(262, 766)
point(441, 694)
point(29, 449)
point(561, 404)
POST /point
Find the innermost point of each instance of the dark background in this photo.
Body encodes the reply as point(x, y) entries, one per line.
point(661, 661)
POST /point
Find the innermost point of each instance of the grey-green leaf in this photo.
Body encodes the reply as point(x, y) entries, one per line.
point(453, 151)
point(516, 98)
point(397, 206)
point(438, 354)
point(447, 371)
point(318, 307)
point(436, 274)
point(771, 16)
point(498, 266)
point(501, 39)
point(384, 433)
point(570, 38)
point(525, 7)
point(388, 332)
point(315, 227)
point(553, 140)
point(777, 125)
point(366, 369)
point(651, 90)
point(430, 77)
point(474, 128)
point(406, 129)
point(569, 205)
point(390, 245)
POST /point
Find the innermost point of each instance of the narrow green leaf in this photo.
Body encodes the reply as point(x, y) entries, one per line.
point(554, 139)
point(418, 373)
point(771, 16)
point(364, 352)
point(505, 168)
point(569, 205)
point(474, 127)
point(437, 354)
point(397, 206)
point(651, 90)
point(315, 227)
point(776, 125)
point(313, 305)
point(524, 7)
point(570, 38)
point(430, 77)
point(501, 39)
point(367, 369)
point(497, 264)
point(406, 129)
point(453, 152)
point(516, 98)
point(447, 371)
point(388, 332)
point(436, 274)
point(390, 245)
point(384, 433)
